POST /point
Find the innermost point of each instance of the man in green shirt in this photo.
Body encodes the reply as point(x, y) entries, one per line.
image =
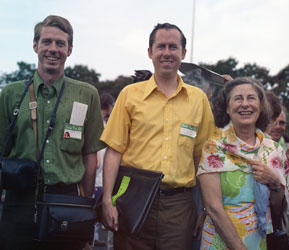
point(69, 160)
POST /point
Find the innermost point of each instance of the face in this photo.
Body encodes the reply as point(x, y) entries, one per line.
point(278, 127)
point(244, 106)
point(167, 52)
point(52, 49)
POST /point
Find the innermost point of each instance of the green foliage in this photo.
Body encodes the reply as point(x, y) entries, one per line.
point(115, 86)
point(255, 71)
point(280, 82)
point(223, 67)
point(25, 71)
point(82, 73)
point(78, 72)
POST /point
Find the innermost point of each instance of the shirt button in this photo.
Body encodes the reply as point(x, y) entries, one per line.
point(47, 121)
point(47, 161)
point(165, 157)
point(48, 181)
point(47, 141)
point(48, 101)
point(167, 120)
point(166, 138)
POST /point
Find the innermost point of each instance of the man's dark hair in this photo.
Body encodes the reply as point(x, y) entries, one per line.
point(220, 107)
point(54, 21)
point(166, 26)
point(106, 100)
point(275, 104)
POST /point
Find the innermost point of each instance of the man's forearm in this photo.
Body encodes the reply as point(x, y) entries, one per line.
point(110, 170)
point(88, 179)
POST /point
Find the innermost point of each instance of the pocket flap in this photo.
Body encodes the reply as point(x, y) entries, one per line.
point(72, 214)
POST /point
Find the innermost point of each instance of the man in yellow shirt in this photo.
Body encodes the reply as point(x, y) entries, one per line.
point(159, 124)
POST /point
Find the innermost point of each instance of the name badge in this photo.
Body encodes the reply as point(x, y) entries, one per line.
point(188, 130)
point(72, 131)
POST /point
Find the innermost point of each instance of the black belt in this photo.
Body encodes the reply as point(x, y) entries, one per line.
point(172, 191)
point(61, 188)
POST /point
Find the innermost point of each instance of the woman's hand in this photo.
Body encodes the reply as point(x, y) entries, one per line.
point(265, 175)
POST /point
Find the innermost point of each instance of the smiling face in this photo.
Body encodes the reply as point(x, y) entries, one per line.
point(277, 128)
point(52, 49)
point(244, 106)
point(167, 52)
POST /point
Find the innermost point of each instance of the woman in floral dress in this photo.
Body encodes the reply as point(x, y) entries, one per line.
point(241, 167)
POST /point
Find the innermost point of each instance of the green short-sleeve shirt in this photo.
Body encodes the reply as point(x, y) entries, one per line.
point(62, 159)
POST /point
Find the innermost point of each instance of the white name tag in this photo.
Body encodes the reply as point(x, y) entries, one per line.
point(72, 131)
point(188, 130)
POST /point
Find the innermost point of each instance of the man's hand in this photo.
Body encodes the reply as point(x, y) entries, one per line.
point(110, 215)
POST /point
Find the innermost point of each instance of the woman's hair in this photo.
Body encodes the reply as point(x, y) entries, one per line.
point(221, 105)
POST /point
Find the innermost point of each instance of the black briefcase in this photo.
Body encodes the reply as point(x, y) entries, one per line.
point(133, 194)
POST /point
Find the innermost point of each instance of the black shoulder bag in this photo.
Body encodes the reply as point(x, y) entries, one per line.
point(17, 174)
point(278, 239)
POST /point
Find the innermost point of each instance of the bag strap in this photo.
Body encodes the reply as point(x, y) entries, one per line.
point(277, 207)
point(15, 115)
point(33, 110)
point(49, 130)
point(51, 124)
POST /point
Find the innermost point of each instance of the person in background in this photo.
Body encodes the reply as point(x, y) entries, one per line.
point(274, 105)
point(277, 128)
point(159, 124)
point(69, 160)
point(240, 170)
point(106, 101)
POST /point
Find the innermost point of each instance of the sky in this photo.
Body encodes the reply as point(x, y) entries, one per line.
point(111, 36)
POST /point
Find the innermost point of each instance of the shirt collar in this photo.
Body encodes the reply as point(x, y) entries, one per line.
point(38, 82)
point(151, 86)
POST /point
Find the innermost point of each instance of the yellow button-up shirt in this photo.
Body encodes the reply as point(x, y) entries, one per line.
point(154, 132)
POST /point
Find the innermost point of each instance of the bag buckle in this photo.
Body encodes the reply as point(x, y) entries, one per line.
point(32, 105)
point(64, 226)
point(16, 111)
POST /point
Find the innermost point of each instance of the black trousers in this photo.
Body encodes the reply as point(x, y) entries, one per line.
point(16, 225)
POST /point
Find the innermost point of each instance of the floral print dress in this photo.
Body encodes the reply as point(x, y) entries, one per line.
point(225, 153)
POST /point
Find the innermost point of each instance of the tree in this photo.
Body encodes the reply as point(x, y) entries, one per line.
point(281, 81)
point(25, 71)
point(223, 67)
point(82, 73)
point(254, 71)
point(115, 86)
